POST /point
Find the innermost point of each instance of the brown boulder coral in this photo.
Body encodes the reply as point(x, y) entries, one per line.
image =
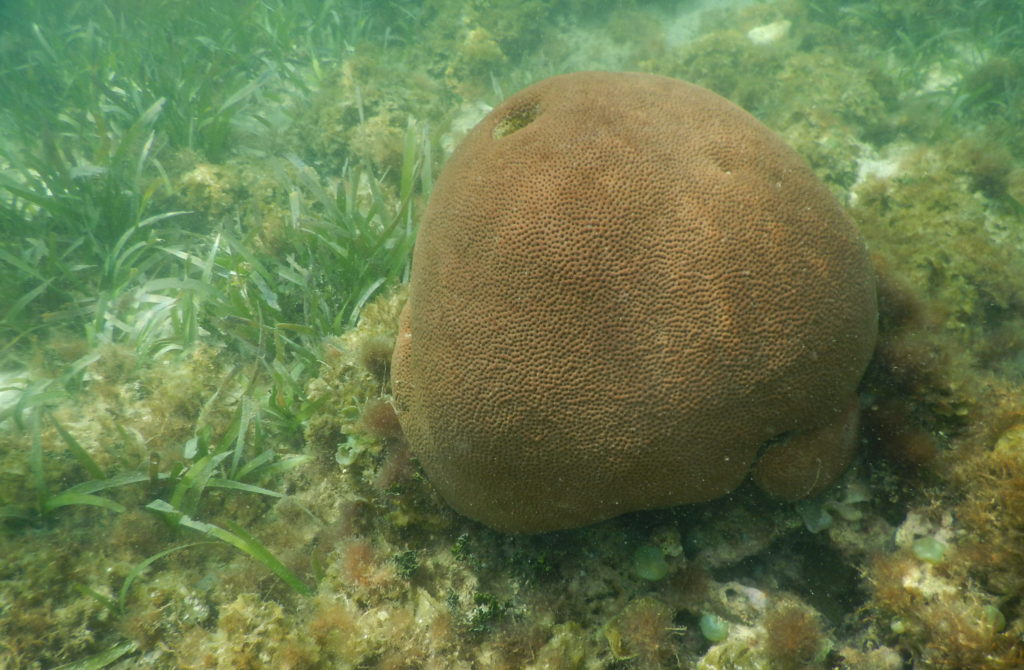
point(627, 293)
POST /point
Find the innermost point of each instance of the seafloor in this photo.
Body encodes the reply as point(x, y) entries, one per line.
point(910, 111)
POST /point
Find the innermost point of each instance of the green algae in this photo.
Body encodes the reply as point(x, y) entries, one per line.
point(713, 627)
point(929, 549)
point(649, 563)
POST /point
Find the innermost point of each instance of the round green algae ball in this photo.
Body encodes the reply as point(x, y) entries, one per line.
point(929, 549)
point(714, 627)
point(649, 563)
point(994, 618)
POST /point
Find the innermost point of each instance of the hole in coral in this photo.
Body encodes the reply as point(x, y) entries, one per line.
point(516, 119)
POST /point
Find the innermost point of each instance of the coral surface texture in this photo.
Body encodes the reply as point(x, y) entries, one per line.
point(627, 293)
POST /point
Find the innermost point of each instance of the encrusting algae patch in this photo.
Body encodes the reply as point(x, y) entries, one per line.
point(912, 559)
